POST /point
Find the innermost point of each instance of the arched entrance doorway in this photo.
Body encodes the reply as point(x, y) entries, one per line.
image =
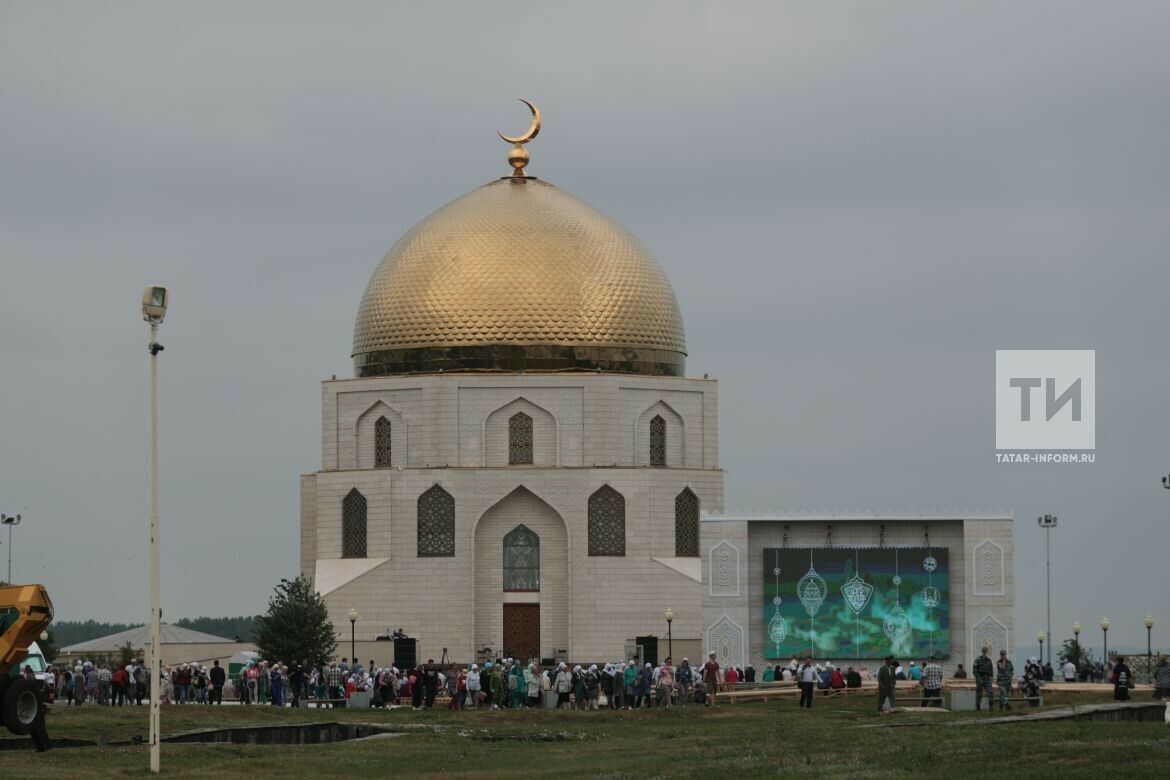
point(521, 578)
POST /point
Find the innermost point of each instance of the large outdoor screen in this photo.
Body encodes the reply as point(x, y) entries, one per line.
point(839, 602)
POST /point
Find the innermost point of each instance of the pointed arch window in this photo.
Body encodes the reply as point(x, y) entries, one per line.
point(353, 525)
point(436, 523)
point(607, 522)
point(686, 524)
point(519, 439)
point(382, 448)
point(521, 560)
point(657, 441)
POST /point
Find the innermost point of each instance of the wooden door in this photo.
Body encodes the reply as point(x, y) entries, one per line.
point(522, 631)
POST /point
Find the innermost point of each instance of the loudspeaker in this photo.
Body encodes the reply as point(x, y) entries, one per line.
point(649, 649)
point(405, 653)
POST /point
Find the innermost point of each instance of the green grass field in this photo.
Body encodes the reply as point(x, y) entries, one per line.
point(774, 739)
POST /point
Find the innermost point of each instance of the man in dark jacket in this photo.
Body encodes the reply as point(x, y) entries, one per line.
point(887, 696)
point(217, 680)
point(430, 681)
point(296, 681)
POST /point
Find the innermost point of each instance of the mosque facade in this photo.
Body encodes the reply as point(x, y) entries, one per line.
point(519, 465)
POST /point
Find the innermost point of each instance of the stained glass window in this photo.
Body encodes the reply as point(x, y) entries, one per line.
point(686, 524)
point(519, 439)
point(521, 560)
point(607, 522)
point(353, 525)
point(658, 441)
point(382, 443)
point(436, 523)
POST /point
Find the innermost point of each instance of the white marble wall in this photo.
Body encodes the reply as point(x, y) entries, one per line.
point(453, 430)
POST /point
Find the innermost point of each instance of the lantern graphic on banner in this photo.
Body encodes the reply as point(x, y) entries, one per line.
point(857, 593)
point(897, 622)
point(811, 589)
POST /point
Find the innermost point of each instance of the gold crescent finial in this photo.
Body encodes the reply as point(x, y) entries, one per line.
point(518, 157)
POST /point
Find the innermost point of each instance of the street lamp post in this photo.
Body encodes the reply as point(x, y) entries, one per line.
point(1105, 640)
point(1040, 638)
point(1149, 646)
point(10, 521)
point(154, 308)
point(1077, 639)
point(1047, 522)
point(352, 630)
point(669, 637)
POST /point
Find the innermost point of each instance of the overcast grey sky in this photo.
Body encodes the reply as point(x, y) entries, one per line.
point(857, 203)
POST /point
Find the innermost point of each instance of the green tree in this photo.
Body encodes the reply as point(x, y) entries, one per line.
point(1072, 651)
point(126, 654)
point(297, 625)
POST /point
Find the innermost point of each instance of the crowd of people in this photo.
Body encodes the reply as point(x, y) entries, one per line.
point(509, 683)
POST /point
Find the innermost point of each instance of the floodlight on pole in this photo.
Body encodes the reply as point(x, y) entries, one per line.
point(10, 521)
point(1040, 635)
point(155, 300)
point(1105, 637)
point(1047, 522)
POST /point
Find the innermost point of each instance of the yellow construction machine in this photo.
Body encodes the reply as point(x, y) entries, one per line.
point(25, 611)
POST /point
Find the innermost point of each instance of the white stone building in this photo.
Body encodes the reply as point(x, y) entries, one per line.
point(520, 462)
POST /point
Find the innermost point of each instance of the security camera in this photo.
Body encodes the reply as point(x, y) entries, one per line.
point(154, 304)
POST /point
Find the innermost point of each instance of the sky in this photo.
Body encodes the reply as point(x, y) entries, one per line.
point(856, 203)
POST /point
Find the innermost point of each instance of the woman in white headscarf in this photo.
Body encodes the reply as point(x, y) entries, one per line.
point(563, 685)
point(473, 686)
point(592, 687)
point(532, 685)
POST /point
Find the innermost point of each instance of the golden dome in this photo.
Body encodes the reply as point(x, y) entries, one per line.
point(518, 275)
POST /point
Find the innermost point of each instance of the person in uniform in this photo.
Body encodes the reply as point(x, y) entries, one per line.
point(984, 673)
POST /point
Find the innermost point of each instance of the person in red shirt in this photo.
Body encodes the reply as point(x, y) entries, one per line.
point(711, 678)
point(118, 682)
point(731, 677)
point(836, 679)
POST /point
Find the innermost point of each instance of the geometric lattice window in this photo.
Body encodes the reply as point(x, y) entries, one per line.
point(607, 522)
point(686, 524)
point(519, 439)
point(521, 560)
point(353, 525)
point(436, 523)
point(382, 443)
point(657, 441)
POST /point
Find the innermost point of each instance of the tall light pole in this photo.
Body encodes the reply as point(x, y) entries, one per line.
point(1047, 522)
point(10, 521)
point(1040, 638)
point(154, 309)
point(669, 637)
point(1149, 646)
point(1105, 639)
point(352, 632)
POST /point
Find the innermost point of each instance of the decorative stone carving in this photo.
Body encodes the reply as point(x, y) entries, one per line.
point(726, 638)
point(724, 568)
point(987, 571)
point(989, 633)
